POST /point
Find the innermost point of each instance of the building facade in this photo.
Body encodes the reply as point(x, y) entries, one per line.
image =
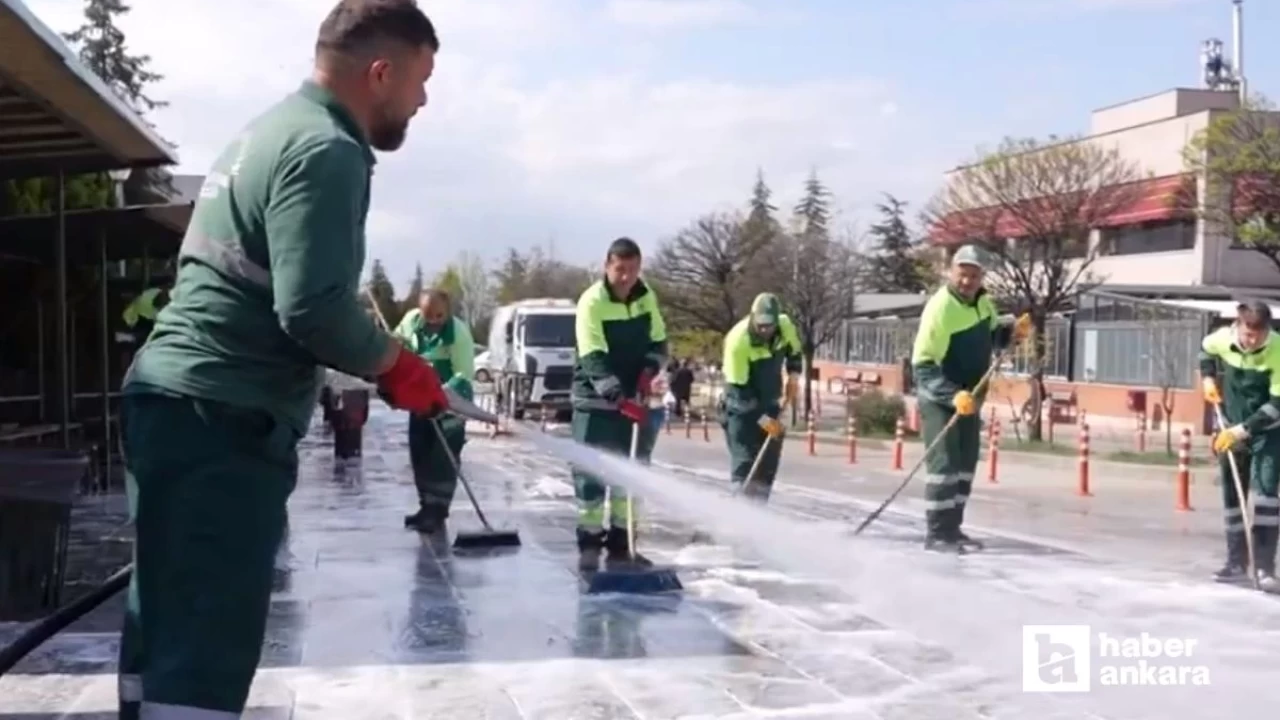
point(1167, 277)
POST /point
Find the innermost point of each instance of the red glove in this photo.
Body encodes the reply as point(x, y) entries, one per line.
point(633, 411)
point(644, 386)
point(412, 384)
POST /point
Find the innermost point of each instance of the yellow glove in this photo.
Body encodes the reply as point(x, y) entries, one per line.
point(792, 390)
point(1022, 328)
point(1225, 440)
point(771, 426)
point(1209, 387)
point(965, 404)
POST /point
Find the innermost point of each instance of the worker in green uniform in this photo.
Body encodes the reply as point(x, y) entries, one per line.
point(1240, 372)
point(216, 401)
point(958, 331)
point(757, 352)
point(622, 346)
point(140, 314)
point(433, 332)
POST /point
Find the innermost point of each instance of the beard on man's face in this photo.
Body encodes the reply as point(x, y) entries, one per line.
point(388, 133)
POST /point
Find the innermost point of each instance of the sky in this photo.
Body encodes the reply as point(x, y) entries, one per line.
point(567, 123)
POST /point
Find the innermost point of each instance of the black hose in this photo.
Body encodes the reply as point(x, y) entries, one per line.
point(36, 635)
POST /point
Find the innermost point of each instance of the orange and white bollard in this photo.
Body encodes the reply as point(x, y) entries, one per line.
point(706, 427)
point(1082, 488)
point(1142, 432)
point(1183, 498)
point(899, 442)
point(688, 423)
point(993, 451)
point(544, 419)
point(851, 430)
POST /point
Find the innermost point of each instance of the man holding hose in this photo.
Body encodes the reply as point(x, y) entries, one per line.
point(1240, 371)
point(757, 351)
point(438, 336)
point(959, 329)
point(216, 401)
point(622, 346)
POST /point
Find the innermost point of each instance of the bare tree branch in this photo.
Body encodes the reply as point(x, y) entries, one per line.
point(1034, 207)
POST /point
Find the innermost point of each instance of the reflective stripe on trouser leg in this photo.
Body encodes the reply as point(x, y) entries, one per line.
point(163, 711)
point(1266, 528)
point(591, 515)
point(1232, 504)
point(942, 468)
point(1266, 507)
point(618, 507)
point(939, 502)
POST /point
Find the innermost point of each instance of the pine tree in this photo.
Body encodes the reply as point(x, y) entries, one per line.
point(101, 45)
point(761, 223)
point(384, 294)
point(813, 212)
point(416, 286)
point(896, 265)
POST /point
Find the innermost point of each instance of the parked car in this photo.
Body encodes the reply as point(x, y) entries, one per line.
point(484, 371)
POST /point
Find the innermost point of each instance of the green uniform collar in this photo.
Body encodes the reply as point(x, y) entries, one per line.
point(313, 91)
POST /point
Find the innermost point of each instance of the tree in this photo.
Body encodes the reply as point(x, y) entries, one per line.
point(896, 265)
point(416, 286)
point(761, 225)
point(384, 294)
point(1172, 341)
point(101, 46)
point(521, 276)
point(1238, 158)
point(1034, 205)
point(820, 295)
point(708, 273)
point(477, 303)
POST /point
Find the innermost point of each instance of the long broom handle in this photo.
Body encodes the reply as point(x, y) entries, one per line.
point(631, 518)
point(995, 364)
point(457, 469)
point(1240, 498)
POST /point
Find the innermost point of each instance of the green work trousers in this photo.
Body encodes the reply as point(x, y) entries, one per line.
point(207, 485)
point(433, 472)
point(745, 438)
point(1259, 464)
point(949, 468)
point(609, 431)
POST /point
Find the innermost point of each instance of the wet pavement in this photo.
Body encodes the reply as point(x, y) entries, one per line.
point(372, 621)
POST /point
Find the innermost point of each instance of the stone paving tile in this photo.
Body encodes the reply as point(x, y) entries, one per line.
point(372, 621)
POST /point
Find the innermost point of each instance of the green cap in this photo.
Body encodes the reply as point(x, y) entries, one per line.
point(970, 255)
point(766, 309)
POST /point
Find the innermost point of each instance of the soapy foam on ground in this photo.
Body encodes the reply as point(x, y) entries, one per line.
point(931, 596)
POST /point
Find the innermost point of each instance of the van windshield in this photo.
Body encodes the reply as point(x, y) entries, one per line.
point(548, 331)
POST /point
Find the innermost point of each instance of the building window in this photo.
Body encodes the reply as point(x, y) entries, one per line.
point(870, 342)
point(1151, 237)
point(1151, 353)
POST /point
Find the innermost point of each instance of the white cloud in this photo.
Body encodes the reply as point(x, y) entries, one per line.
point(520, 142)
point(667, 14)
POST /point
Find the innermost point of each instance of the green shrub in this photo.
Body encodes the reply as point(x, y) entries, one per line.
point(876, 412)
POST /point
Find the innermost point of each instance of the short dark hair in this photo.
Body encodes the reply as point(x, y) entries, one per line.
point(1254, 314)
point(624, 248)
point(355, 27)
